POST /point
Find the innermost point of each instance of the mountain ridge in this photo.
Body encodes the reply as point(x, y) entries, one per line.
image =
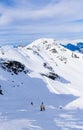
point(43, 52)
point(42, 71)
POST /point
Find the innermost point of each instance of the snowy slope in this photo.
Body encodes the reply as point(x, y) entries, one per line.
point(42, 71)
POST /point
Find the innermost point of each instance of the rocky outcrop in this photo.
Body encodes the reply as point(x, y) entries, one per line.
point(14, 67)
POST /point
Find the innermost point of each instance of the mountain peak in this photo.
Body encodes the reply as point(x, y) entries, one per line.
point(42, 41)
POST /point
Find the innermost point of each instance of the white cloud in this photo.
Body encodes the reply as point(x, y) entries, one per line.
point(25, 18)
point(65, 10)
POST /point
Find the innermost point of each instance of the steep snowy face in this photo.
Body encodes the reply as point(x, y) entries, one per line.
point(50, 57)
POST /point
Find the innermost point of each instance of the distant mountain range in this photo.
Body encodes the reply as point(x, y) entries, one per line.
point(72, 47)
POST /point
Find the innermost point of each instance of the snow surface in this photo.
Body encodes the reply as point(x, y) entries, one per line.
point(62, 97)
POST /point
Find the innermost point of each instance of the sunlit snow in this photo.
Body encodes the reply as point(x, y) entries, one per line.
point(52, 76)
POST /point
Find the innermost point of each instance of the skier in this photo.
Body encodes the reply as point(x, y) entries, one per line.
point(42, 107)
point(32, 103)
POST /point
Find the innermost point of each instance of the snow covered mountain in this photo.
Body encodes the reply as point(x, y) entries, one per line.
point(44, 71)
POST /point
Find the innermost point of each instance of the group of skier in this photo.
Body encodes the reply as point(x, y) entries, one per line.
point(42, 107)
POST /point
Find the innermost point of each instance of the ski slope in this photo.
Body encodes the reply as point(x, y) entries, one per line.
point(62, 96)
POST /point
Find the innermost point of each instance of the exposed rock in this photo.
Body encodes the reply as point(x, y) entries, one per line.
point(53, 50)
point(46, 65)
point(51, 75)
point(12, 66)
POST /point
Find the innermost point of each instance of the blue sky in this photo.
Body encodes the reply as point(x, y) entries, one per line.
point(22, 21)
